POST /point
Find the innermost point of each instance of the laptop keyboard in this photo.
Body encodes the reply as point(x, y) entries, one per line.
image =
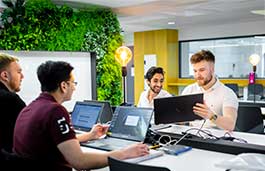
point(109, 144)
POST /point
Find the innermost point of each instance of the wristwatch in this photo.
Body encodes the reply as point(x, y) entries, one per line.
point(213, 117)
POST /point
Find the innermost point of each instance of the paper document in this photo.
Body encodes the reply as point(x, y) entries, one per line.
point(244, 161)
point(152, 154)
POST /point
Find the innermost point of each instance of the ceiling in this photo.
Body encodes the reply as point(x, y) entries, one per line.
point(142, 15)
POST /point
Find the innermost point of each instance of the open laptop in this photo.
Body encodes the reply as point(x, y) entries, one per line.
point(106, 114)
point(85, 115)
point(176, 109)
point(128, 125)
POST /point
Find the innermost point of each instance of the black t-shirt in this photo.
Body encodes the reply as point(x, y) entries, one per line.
point(10, 106)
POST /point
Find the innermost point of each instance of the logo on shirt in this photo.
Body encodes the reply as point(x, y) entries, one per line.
point(64, 128)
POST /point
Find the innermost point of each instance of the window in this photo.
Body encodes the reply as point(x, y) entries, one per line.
point(231, 56)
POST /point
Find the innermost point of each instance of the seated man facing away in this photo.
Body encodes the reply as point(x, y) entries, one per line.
point(44, 132)
point(155, 79)
point(220, 102)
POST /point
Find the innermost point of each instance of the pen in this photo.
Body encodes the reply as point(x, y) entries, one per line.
point(168, 126)
point(154, 146)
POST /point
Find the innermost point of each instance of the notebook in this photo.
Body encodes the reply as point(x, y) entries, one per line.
point(152, 154)
point(176, 109)
point(85, 115)
point(128, 125)
point(106, 114)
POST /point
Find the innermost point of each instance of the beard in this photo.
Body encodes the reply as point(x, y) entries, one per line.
point(155, 91)
point(15, 87)
point(204, 82)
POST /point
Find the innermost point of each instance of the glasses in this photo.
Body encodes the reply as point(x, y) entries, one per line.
point(74, 82)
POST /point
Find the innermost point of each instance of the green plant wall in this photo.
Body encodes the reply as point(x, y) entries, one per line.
point(41, 25)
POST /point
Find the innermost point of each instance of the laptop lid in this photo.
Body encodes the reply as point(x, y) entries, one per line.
point(130, 123)
point(85, 115)
point(106, 114)
point(176, 109)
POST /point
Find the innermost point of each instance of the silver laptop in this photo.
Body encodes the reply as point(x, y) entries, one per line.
point(129, 125)
point(85, 115)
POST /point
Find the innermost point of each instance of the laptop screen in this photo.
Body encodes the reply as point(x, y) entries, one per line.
point(130, 122)
point(85, 115)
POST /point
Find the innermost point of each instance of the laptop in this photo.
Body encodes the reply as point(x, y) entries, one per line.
point(85, 115)
point(106, 114)
point(176, 109)
point(128, 125)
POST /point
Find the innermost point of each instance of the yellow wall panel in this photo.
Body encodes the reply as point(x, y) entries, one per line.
point(162, 43)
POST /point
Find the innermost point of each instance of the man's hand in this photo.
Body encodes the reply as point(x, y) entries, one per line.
point(203, 110)
point(135, 150)
point(98, 130)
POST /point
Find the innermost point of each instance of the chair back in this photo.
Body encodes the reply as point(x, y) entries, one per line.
point(118, 165)
point(255, 90)
point(234, 87)
point(249, 119)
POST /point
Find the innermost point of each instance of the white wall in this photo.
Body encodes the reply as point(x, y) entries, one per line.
point(30, 60)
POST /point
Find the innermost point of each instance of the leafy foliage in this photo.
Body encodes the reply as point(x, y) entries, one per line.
point(40, 25)
point(104, 40)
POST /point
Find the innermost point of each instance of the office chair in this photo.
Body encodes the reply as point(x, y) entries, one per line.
point(255, 90)
point(235, 88)
point(118, 165)
point(249, 119)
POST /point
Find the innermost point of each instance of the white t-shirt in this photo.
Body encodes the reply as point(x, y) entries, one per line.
point(217, 97)
point(144, 102)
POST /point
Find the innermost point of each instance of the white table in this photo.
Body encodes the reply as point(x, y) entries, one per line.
point(196, 159)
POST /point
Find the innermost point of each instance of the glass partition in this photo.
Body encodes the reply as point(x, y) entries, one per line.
point(232, 56)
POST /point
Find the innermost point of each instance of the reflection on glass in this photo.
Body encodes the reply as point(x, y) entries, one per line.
point(232, 56)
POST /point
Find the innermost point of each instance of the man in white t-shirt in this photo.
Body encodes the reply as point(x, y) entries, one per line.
point(155, 79)
point(220, 102)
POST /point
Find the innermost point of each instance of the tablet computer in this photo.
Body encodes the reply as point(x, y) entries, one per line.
point(176, 109)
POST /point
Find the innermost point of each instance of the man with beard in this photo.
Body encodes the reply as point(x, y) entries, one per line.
point(155, 79)
point(11, 104)
point(220, 102)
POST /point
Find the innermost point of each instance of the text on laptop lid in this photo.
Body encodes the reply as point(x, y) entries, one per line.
point(130, 123)
point(85, 115)
point(176, 109)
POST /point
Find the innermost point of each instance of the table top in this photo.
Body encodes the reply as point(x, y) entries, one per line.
point(195, 159)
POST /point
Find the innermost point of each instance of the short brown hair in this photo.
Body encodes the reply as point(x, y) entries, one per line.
point(5, 60)
point(202, 55)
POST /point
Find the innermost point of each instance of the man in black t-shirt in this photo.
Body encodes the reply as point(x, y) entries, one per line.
point(10, 103)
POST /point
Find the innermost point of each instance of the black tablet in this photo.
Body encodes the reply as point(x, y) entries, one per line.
point(176, 109)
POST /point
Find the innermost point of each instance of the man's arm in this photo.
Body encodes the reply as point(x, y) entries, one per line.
point(227, 121)
point(96, 132)
point(89, 160)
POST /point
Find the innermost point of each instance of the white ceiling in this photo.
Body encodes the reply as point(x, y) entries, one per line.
point(142, 15)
